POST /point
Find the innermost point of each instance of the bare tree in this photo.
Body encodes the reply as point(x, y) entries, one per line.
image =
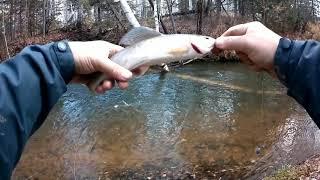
point(199, 16)
point(130, 16)
point(4, 32)
point(164, 27)
point(44, 18)
point(156, 15)
point(169, 5)
point(116, 14)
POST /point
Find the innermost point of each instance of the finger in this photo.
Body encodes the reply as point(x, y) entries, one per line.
point(84, 78)
point(123, 84)
point(114, 49)
point(237, 43)
point(99, 90)
point(107, 85)
point(114, 70)
point(237, 30)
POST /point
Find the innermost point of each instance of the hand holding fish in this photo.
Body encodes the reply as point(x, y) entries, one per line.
point(255, 44)
point(92, 57)
point(146, 47)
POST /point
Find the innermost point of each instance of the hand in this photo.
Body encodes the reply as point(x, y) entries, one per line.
point(255, 44)
point(91, 57)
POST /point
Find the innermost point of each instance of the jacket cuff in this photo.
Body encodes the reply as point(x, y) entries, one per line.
point(281, 60)
point(64, 60)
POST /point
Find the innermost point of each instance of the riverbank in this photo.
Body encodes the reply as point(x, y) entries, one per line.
point(184, 24)
point(309, 169)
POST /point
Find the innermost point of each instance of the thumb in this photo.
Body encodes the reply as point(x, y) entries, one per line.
point(113, 69)
point(237, 43)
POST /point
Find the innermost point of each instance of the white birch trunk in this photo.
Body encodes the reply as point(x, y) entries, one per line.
point(155, 15)
point(130, 16)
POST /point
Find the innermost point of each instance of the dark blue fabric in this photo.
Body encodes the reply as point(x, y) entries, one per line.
point(297, 64)
point(30, 84)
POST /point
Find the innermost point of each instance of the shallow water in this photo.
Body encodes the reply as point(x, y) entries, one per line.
point(203, 120)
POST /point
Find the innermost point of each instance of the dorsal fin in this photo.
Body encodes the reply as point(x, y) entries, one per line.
point(138, 34)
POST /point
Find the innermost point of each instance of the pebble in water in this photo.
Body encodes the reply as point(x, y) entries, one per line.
point(258, 150)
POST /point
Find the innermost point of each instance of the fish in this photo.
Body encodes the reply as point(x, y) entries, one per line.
point(145, 47)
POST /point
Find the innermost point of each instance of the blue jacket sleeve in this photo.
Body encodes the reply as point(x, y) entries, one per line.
point(297, 64)
point(30, 84)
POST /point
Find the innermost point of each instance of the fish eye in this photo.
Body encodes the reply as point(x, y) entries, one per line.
point(207, 37)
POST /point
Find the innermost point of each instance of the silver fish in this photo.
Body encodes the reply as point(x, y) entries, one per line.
point(148, 47)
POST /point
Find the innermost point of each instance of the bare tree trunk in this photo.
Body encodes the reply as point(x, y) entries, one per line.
point(199, 16)
point(115, 12)
point(30, 17)
point(44, 18)
point(160, 17)
point(4, 32)
point(20, 17)
point(235, 7)
point(12, 19)
point(219, 7)
point(170, 4)
point(264, 12)
point(194, 4)
point(313, 10)
point(183, 6)
point(27, 17)
point(165, 30)
point(97, 15)
point(143, 9)
point(155, 16)
point(79, 14)
point(208, 7)
point(241, 8)
point(129, 14)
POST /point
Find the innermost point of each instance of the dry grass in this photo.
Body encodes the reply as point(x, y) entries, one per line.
point(310, 169)
point(313, 31)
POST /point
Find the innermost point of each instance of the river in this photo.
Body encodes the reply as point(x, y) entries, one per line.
point(200, 121)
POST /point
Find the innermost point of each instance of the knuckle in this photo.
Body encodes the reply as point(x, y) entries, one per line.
point(231, 29)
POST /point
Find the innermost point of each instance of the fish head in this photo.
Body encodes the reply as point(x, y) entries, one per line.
point(202, 44)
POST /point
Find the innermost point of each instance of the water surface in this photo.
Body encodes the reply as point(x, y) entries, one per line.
point(203, 120)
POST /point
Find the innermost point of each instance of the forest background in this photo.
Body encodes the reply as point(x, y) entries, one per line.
point(26, 22)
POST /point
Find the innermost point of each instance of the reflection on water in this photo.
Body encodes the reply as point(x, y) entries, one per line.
point(204, 120)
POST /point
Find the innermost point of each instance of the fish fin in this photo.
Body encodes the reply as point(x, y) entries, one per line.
point(138, 34)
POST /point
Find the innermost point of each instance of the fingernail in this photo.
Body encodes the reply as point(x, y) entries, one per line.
point(126, 74)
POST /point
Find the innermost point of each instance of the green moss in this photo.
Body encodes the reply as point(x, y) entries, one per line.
point(286, 173)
